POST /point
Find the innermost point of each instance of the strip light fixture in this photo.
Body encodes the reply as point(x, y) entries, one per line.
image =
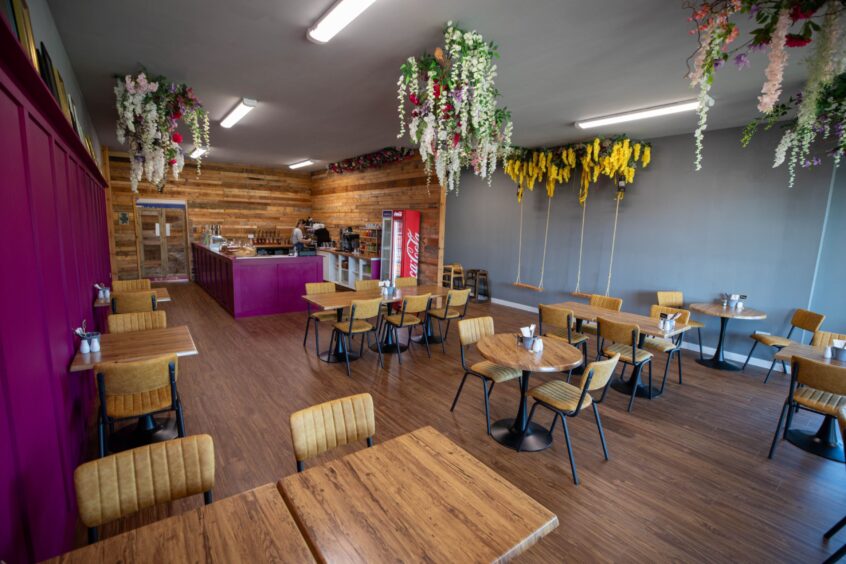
point(678, 107)
point(339, 16)
point(301, 164)
point(244, 107)
point(197, 152)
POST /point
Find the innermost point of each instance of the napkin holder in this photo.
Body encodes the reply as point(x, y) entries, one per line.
point(527, 342)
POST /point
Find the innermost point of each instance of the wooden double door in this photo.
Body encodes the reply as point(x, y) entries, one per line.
point(163, 241)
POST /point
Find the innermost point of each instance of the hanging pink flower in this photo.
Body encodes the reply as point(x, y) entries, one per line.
point(794, 40)
point(778, 60)
point(797, 13)
point(177, 137)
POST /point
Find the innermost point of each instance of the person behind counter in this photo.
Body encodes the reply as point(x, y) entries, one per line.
point(298, 241)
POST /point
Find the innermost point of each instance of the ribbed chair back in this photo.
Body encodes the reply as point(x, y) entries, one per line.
point(656, 311)
point(826, 339)
point(136, 387)
point(121, 484)
point(819, 375)
point(807, 320)
point(315, 288)
point(471, 331)
point(131, 285)
point(365, 309)
point(133, 302)
point(601, 371)
point(366, 285)
point(458, 298)
point(620, 333)
point(416, 304)
point(328, 425)
point(555, 320)
point(670, 298)
point(405, 282)
point(140, 321)
point(606, 302)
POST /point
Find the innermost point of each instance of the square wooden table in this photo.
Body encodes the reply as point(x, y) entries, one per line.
point(648, 325)
point(253, 526)
point(416, 498)
point(162, 295)
point(136, 346)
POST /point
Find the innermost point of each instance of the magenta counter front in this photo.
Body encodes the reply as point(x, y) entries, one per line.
point(249, 286)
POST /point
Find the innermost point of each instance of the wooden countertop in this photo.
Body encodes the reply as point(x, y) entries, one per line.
point(136, 346)
point(346, 254)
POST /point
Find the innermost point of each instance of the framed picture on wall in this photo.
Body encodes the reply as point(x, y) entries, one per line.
point(8, 12)
point(47, 70)
point(23, 26)
point(61, 94)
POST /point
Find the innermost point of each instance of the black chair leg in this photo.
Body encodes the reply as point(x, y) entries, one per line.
point(666, 370)
point(770, 371)
point(300, 466)
point(441, 335)
point(699, 335)
point(679, 357)
point(487, 405)
point(790, 413)
point(635, 380)
point(397, 341)
point(833, 531)
point(446, 333)
point(840, 553)
point(308, 323)
point(570, 450)
point(755, 344)
point(458, 393)
point(778, 430)
point(101, 436)
point(346, 340)
point(379, 349)
point(93, 535)
point(180, 419)
point(784, 367)
point(601, 432)
point(361, 346)
point(528, 423)
point(426, 340)
point(207, 497)
point(623, 373)
point(317, 338)
point(650, 379)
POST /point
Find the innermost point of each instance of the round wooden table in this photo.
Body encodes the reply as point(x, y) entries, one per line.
point(718, 361)
point(557, 356)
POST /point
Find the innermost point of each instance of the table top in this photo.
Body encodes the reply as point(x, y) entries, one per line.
point(806, 351)
point(162, 295)
point(648, 325)
point(253, 526)
point(717, 310)
point(503, 349)
point(137, 345)
point(340, 300)
point(418, 497)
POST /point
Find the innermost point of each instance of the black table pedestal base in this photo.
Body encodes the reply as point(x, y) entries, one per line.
point(537, 437)
point(334, 356)
point(822, 443)
point(718, 364)
point(642, 389)
point(148, 430)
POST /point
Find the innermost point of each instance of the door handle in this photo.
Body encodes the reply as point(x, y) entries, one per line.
point(158, 230)
point(167, 229)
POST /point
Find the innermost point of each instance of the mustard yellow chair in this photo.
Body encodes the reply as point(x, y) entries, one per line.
point(405, 282)
point(361, 311)
point(362, 285)
point(605, 302)
point(672, 298)
point(566, 400)
point(559, 323)
point(121, 484)
point(470, 332)
point(140, 321)
point(317, 317)
point(817, 387)
point(671, 347)
point(624, 339)
point(826, 338)
point(134, 302)
point(331, 424)
point(841, 552)
point(455, 307)
point(802, 319)
point(137, 389)
point(413, 314)
point(131, 285)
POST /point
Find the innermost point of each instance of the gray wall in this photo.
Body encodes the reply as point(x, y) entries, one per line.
point(830, 288)
point(734, 226)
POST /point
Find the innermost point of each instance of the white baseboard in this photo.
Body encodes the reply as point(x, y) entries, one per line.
point(691, 346)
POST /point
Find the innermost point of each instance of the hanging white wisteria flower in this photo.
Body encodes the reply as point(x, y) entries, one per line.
point(149, 112)
point(455, 120)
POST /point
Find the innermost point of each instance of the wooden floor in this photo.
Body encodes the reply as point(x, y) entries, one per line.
point(688, 479)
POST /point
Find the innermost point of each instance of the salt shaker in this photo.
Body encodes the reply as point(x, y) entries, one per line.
point(95, 344)
point(101, 295)
point(84, 348)
point(108, 293)
point(827, 353)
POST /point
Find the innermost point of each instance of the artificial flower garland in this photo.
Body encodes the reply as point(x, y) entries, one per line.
point(454, 119)
point(612, 157)
point(376, 159)
point(149, 112)
point(822, 103)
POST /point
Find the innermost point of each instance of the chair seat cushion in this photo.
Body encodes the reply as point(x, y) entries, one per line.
point(818, 400)
point(560, 395)
point(495, 372)
point(658, 345)
point(141, 403)
point(625, 352)
point(358, 326)
point(442, 313)
point(695, 324)
point(398, 321)
point(325, 316)
point(575, 338)
point(589, 327)
point(772, 340)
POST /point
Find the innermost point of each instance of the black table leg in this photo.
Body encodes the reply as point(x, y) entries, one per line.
point(389, 344)
point(336, 354)
point(718, 361)
point(822, 443)
point(428, 326)
point(511, 432)
point(148, 430)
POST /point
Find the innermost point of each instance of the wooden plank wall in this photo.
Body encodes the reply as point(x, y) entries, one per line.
point(241, 198)
point(357, 198)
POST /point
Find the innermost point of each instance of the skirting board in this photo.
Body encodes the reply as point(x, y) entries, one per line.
point(691, 346)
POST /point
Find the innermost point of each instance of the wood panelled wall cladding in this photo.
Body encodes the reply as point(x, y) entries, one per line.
point(238, 197)
point(245, 198)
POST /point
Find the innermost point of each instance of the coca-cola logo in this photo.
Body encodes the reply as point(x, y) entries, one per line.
point(412, 251)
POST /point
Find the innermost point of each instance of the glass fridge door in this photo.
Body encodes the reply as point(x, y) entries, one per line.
point(387, 237)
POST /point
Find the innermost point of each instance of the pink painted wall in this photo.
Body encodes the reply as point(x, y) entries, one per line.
point(54, 248)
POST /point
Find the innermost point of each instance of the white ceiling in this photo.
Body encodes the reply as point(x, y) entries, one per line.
point(561, 60)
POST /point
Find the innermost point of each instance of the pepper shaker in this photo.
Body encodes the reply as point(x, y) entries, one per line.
point(84, 347)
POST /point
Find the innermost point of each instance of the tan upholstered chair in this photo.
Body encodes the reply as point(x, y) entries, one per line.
point(559, 322)
point(671, 347)
point(141, 321)
point(361, 285)
point(802, 319)
point(131, 285)
point(817, 387)
point(405, 282)
point(470, 332)
point(121, 484)
point(826, 338)
point(134, 302)
point(676, 299)
point(624, 339)
point(136, 389)
point(316, 317)
point(455, 307)
point(328, 425)
point(605, 302)
point(566, 400)
point(413, 314)
point(361, 312)
point(840, 552)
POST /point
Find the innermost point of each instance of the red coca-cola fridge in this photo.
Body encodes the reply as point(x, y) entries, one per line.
point(400, 244)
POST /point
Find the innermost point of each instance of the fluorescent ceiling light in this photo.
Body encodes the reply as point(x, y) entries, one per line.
point(301, 164)
point(639, 114)
point(243, 108)
point(337, 18)
point(197, 153)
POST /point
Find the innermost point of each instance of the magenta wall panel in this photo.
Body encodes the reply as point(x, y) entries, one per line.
point(53, 224)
